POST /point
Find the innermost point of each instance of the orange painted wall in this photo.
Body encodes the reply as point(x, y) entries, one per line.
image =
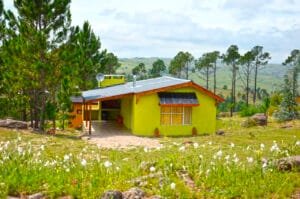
point(298, 99)
point(76, 116)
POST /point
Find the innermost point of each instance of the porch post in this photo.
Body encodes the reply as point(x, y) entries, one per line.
point(90, 119)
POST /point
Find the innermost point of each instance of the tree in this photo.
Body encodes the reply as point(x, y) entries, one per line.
point(288, 106)
point(84, 55)
point(109, 63)
point(215, 55)
point(293, 60)
point(181, 64)
point(231, 58)
point(38, 30)
point(140, 70)
point(203, 64)
point(260, 59)
point(246, 62)
point(157, 68)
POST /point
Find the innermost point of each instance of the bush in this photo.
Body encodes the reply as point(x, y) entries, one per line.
point(249, 110)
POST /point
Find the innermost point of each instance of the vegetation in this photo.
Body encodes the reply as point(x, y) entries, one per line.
point(238, 164)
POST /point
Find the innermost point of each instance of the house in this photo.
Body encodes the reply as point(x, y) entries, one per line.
point(298, 100)
point(165, 105)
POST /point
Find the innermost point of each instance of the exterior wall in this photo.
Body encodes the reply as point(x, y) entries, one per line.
point(146, 116)
point(76, 116)
point(126, 111)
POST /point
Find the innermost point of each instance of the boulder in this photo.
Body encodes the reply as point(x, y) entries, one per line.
point(112, 194)
point(134, 193)
point(287, 164)
point(260, 119)
point(220, 132)
point(13, 124)
point(36, 196)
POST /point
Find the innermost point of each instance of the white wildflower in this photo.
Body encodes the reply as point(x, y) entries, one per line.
point(67, 169)
point(20, 149)
point(66, 157)
point(182, 148)
point(196, 145)
point(42, 147)
point(152, 169)
point(219, 153)
point(298, 143)
point(210, 142)
point(171, 165)
point(232, 145)
point(264, 165)
point(145, 149)
point(83, 162)
point(117, 168)
point(274, 147)
point(262, 146)
point(173, 185)
point(107, 164)
point(250, 159)
point(236, 160)
point(207, 171)
point(227, 157)
point(201, 156)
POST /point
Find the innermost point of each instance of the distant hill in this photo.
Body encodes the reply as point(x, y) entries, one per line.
point(270, 77)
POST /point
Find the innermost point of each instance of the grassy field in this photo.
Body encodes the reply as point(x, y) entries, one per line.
point(237, 165)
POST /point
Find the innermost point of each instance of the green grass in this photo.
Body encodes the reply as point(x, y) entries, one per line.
point(220, 166)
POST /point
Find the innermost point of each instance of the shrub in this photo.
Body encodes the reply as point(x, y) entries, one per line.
point(249, 110)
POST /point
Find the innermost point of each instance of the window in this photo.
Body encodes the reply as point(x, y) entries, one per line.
point(176, 115)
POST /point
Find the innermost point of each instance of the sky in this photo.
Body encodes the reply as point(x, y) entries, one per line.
point(161, 28)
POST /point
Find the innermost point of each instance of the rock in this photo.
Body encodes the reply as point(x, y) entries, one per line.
point(133, 193)
point(285, 126)
point(287, 164)
point(248, 123)
point(260, 119)
point(154, 197)
point(112, 194)
point(36, 196)
point(13, 124)
point(86, 138)
point(65, 197)
point(220, 132)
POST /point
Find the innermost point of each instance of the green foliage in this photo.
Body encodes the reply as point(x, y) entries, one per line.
point(288, 106)
point(180, 64)
point(158, 67)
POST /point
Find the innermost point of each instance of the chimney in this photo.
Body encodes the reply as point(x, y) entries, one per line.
point(134, 81)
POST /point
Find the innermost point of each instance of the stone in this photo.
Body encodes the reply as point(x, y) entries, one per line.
point(13, 124)
point(260, 119)
point(220, 132)
point(112, 194)
point(249, 122)
point(134, 193)
point(287, 164)
point(36, 196)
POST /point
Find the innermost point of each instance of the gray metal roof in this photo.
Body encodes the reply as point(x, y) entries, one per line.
point(127, 88)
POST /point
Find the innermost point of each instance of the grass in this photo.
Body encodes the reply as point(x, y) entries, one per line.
point(227, 166)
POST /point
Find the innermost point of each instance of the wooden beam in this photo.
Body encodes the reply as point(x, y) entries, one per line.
point(90, 120)
point(179, 105)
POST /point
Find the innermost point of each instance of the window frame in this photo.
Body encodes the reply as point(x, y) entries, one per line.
point(171, 113)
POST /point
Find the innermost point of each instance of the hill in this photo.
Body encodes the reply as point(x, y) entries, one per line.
point(270, 77)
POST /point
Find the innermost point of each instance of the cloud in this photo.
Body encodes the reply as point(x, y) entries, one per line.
point(162, 28)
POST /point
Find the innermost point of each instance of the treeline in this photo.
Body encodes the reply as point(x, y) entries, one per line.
point(243, 67)
point(44, 60)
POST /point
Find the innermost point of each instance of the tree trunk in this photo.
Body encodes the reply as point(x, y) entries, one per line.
point(215, 78)
point(187, 71)
point(247, 90)
point(233, 90)
point(255, 83)
point(207, 77)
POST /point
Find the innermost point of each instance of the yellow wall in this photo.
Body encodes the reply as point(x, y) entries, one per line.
point(126, 111)
point(146, 116)
point(110, 80)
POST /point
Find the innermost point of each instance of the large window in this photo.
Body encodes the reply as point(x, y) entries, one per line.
point(175, 115)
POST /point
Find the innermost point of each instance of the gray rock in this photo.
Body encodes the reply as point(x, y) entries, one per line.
point(220, 132)
point(13, 124)
point(134, 193)
point(112, 194)
point(260, 119)
point(287, 164)
point(36, 196)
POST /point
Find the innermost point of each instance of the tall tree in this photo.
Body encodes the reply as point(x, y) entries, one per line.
point(109, 63)
point(293, 61)
point(83, 47)
point(140, 70)
point(39, 28)
point(181, 64)
point(231, 58)
point(204, 65)
point(215, 55)
point(157, 68)
point(246, 62)
point(261, 59)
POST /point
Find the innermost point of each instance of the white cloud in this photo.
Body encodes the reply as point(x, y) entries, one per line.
point(161, 28)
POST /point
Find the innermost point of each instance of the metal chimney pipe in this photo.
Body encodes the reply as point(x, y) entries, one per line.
point(134, 81)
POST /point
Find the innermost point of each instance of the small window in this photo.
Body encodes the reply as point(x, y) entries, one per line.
point(176, 115)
